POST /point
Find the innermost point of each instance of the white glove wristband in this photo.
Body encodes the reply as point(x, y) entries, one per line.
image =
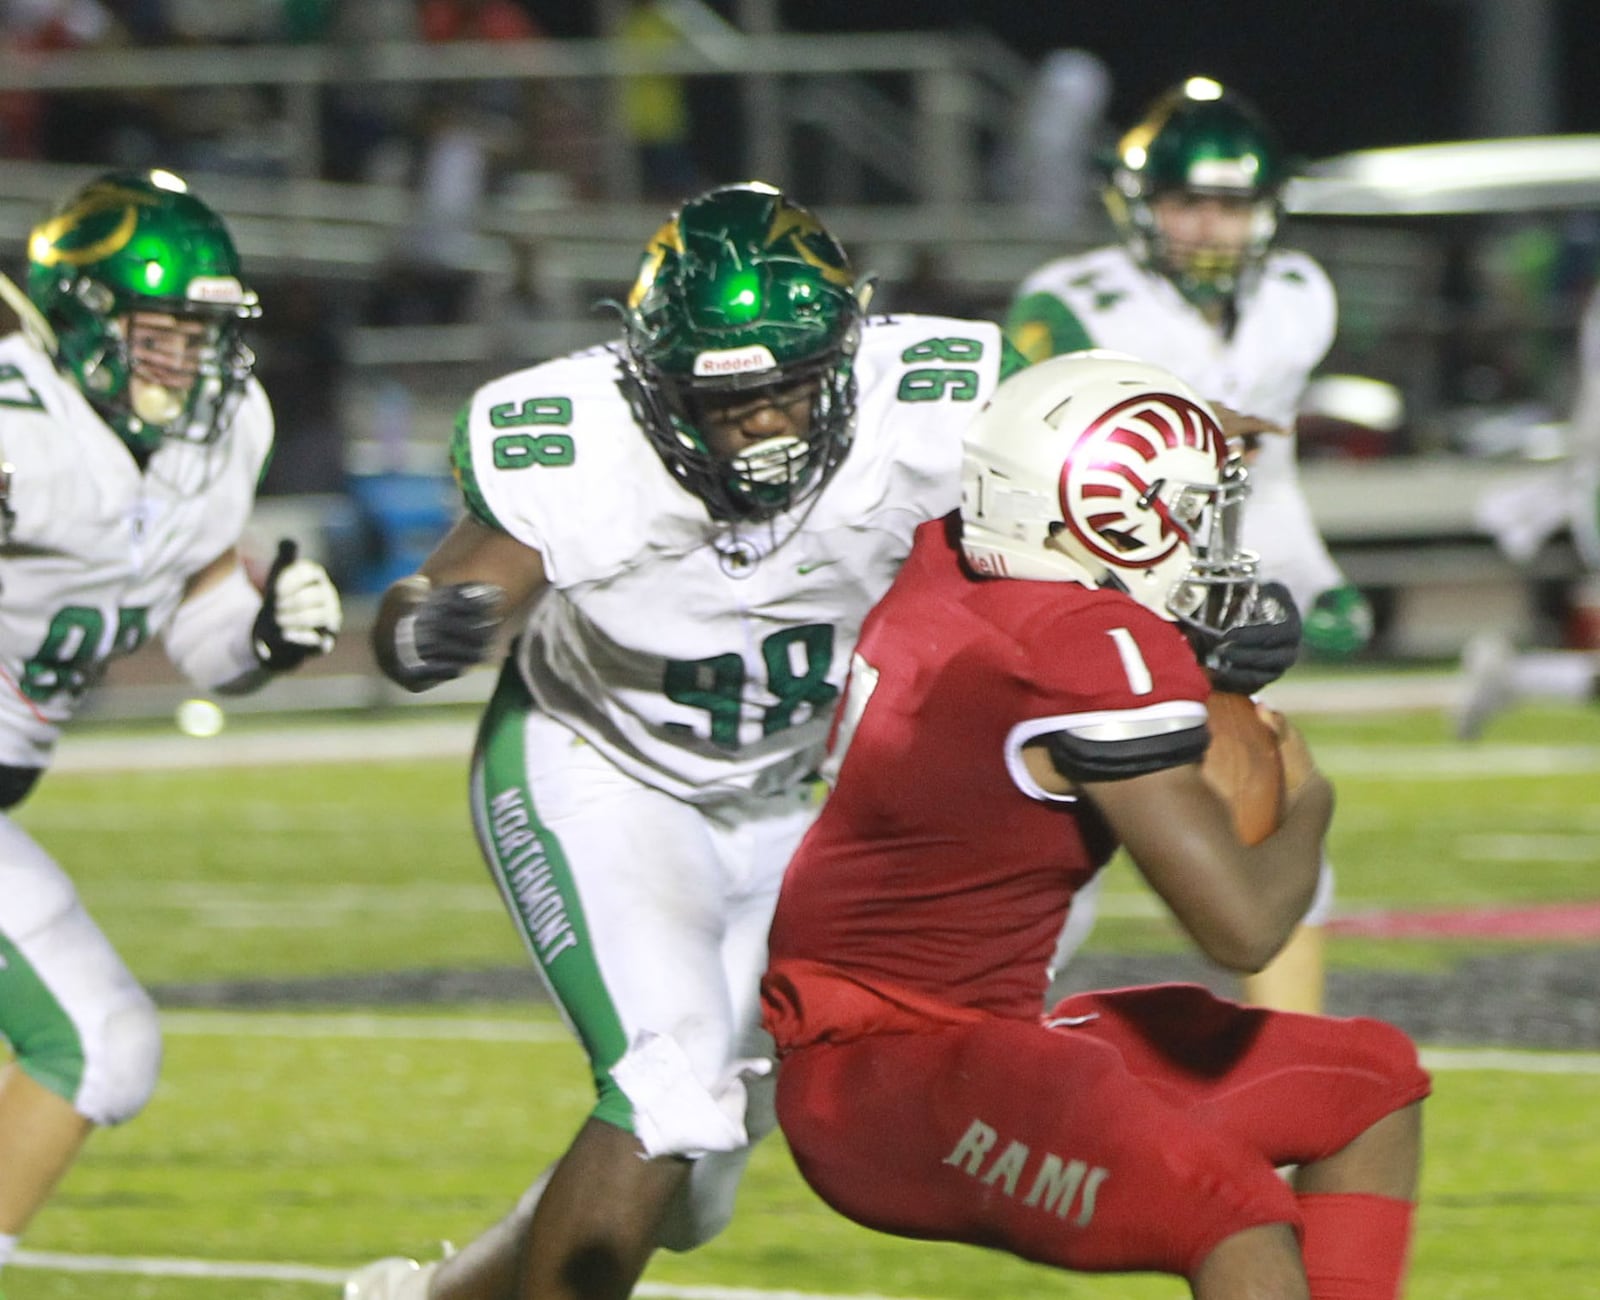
point(405, 644)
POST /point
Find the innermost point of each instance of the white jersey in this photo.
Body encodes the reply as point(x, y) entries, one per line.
point(704, 658)
point(1284, 328)
point(95, 554)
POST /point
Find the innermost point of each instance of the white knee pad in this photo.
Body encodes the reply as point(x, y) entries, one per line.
point(123, 1062)
point(80, 1024)
point(674, 1113)
point(704, 1206)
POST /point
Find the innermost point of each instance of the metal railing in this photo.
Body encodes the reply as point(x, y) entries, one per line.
point(960, 87)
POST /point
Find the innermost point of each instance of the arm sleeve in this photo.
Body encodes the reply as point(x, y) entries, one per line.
point(465, 474)
point(1115, 747)
point(209, 638)
point(1040, 325)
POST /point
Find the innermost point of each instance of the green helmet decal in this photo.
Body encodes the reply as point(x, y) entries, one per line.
point(1199, 140)
point(742, 292)
point(130, 243)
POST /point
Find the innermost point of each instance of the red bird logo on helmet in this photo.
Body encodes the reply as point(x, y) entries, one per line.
point(1110, 485)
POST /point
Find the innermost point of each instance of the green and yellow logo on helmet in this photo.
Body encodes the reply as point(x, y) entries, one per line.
point(796, 231)
point(78, 237)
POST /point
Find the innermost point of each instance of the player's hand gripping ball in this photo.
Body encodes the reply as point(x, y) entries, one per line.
point(1244, 766)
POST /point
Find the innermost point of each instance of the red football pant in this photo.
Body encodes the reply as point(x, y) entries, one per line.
point(1134, 1131)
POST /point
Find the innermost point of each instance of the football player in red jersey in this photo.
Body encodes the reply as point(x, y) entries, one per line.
point(1027, 696)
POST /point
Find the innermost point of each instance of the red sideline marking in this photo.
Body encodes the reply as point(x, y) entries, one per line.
point(1543, 921)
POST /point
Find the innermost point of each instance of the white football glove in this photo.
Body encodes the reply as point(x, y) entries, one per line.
point(300, 612)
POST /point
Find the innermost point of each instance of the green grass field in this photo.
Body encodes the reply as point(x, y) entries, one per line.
point(315, 1138)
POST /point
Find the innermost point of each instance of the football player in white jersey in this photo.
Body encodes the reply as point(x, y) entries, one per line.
point(1197, 287)
point(684, 529)
point(1523, 516)
point(132, 436)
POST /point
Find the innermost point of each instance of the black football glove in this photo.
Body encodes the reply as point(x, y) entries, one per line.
point(449, 632)
point(1256, 653)
point(300, 612)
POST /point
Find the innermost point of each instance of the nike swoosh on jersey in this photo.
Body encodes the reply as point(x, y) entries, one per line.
point(813, 566)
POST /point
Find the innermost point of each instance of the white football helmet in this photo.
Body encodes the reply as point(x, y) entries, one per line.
point(1098, 468)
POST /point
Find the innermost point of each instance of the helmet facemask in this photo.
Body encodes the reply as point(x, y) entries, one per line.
point(160, 370)
point(744, 299)
point(1218, 591)
point(1209, 273)
point(767, 477)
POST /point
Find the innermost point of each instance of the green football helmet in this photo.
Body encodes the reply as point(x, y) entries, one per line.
point(741, 293)
point(141, 243)
point(1198, 139)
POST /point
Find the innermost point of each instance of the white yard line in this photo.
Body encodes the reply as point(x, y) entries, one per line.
point(361, 1024)
point(1510, 1060)
point(345, 742)
point(243, 1270)
point(284, 1024)
point(384, 738)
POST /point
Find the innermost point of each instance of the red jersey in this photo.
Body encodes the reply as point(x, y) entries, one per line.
point(937, 865)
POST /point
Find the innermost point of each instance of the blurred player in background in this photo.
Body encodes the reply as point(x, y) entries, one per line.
point(1197, 287)
point(132, 437)
point(1026, 697)
point(1522, 517)
point(684, 530)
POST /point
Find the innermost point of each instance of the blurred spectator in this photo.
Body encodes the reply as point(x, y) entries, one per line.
point(146, 21)
point(1052, 167)
point(300, 352)
point(119, 129)
point(655, 106)
point(1526, 283)
point(483, 20)
point(429, 276)
point(236, 130)
point(527, 123)
point(468, 136)
point(306, 22)
point(477, 20)
point(369, 128)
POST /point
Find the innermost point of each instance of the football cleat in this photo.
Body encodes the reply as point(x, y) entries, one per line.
point(1486, 685)
point(393, 1278)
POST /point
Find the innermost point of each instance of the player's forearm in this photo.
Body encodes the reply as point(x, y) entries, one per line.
point(426, 634)
point(1282, 873)
point(403, 598)
point(230, 638)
